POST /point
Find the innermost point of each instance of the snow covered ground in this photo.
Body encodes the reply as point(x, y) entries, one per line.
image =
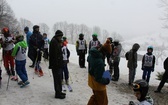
point(41, 89)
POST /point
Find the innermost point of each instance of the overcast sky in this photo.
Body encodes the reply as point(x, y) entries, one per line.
point(126, 17)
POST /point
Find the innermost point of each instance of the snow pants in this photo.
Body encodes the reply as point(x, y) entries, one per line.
point(163, 81)
point(65, 72)
point(146, 74)
point(21, 70)
point(98, 98)
point(81, 58)
point(57, 74)
point(132, 73)
point(8, 61)
point(116, 70)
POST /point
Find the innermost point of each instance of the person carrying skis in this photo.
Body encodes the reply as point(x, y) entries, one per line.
point(66, 55)
point(36, 44)
point(19, 53)
point(81, 49)
point(96, 81)
point(46, 45)
point(164, 78)
point(94, 42)
point(116, 59)
point(56, 62)
point(132, 62)
point(140, 88)
point(148, 64)
point(28, 34)
point(8, 45)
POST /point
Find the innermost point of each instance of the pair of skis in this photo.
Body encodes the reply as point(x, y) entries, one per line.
point(65, 87)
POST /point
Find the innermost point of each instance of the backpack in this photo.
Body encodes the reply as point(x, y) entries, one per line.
point(127, 55)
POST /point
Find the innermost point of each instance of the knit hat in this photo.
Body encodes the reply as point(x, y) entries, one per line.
point(107, 47)
point(58, 33)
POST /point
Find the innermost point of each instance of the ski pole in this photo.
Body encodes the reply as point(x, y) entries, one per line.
point(7, 83)
point(35, 63)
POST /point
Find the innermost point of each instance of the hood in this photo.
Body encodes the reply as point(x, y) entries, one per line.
point(135, 47)
point(95, 53)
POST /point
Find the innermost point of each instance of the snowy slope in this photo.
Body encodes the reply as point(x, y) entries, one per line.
point(41, 89)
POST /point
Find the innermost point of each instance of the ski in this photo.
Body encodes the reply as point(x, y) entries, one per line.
point(69, 88)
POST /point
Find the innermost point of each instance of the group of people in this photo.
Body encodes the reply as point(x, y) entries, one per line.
point(57, 52)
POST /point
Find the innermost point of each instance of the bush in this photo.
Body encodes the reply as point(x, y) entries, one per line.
point(160, 75)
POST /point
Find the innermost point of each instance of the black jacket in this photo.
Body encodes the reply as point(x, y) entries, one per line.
point(55, 54)
point(166, 64)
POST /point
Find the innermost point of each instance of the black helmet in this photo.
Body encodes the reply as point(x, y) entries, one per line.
point(111, 39)
point(141, 86)
point(26, 28)
point(81, 34)
point(35, 26)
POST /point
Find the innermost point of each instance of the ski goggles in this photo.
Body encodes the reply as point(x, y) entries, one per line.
point(136, 86)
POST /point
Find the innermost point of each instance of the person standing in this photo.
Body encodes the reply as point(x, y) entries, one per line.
point(8, 45)
point(28, 34)
point(36, 44)
point(164, 78)
point(66, 55)
point(116, 59)
point(132, 62)
point(56, 63)
point(46, 45)
point(96, 81)
point(19, 53)
point(94, 42)
point(148, 64)
point(81, 49)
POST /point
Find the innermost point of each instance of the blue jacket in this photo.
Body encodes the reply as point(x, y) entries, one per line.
point(28, 34)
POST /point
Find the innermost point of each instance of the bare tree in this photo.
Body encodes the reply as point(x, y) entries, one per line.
point(7, 17)
point(105, 34)
point(44, 28)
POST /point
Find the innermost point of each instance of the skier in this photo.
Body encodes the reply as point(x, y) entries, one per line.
point(116, 59)
point(28, 34)
point(148, 64)
point(19, 53)
point(81, 49)
point(65, 71)
point(94, 42)
point(140, 88)
point(46, 45)
point(164, 78)
point(36, 43)
point(132, 62)
point(56, 62)
point(8, 45)
point(96, 81)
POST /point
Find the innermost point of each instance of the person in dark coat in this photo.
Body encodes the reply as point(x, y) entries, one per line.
point(81, 49)
point(56, 63)
point(132, 62)
point(164, 78)
point(36, 44)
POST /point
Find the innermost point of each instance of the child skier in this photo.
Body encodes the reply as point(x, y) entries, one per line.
point(140, 88)
point(19, 53)
point(8, 44)
point(66, 54)
point(148, 64)
point(46, 45)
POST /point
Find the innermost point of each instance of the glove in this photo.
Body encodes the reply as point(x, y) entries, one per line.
point(152, 69)
point(143, 68)
point(107, 74)
point(37, 50)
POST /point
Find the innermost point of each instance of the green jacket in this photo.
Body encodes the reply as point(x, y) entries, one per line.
point(96, 66)
point(19, 50)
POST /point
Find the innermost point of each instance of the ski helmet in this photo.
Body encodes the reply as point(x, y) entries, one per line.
point(150, 48)
point(35, 26)
point(141, 86)
point(111, 39)
point(26, 28)
point(94, 35)
point(81, 34)
point(5, 30)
